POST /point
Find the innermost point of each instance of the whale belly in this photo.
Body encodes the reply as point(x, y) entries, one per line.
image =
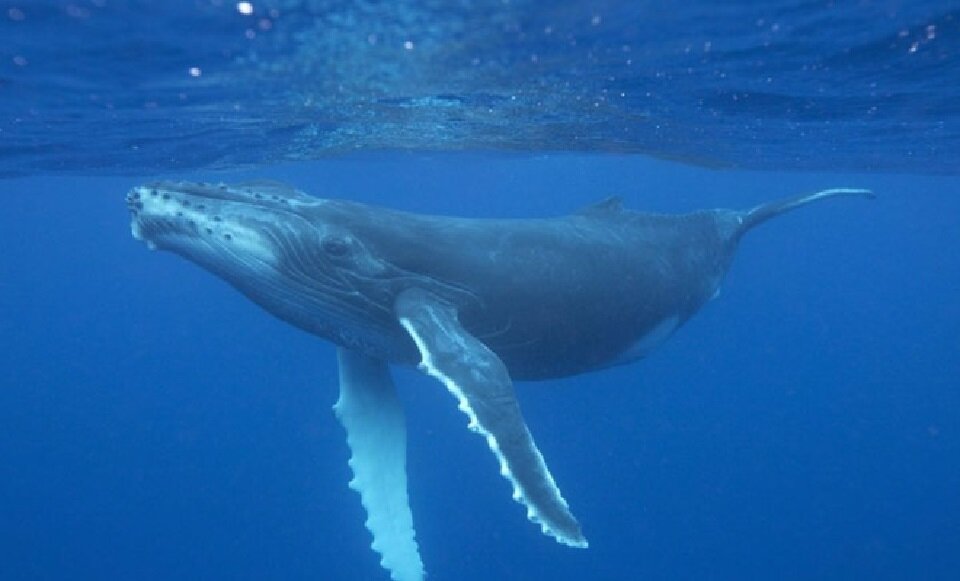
point(649, 341)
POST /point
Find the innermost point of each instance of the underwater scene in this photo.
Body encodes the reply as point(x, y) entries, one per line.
point(479, 290)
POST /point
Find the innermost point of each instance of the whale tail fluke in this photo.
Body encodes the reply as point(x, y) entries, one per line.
point(764, 212)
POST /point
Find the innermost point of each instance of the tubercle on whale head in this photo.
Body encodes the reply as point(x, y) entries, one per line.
point(194, 218)
point(277, 245)
point(181, 208)
point(260, 192)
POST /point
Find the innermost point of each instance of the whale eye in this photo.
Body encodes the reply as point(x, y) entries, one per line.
point(335, 246)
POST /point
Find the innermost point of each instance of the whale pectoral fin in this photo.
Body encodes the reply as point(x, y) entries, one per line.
point(376, 432)
point(479, 380)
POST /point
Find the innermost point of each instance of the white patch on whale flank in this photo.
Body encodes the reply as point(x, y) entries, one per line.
point(651, 340)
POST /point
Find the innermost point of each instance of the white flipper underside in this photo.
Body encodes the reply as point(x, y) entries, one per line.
point(376, 432)
point(479, 380)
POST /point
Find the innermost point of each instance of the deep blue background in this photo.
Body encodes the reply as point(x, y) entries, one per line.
point(156, 425)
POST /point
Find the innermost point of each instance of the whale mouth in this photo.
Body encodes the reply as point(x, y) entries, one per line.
point(266, 241)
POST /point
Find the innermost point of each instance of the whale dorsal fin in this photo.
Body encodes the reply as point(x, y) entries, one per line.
point(605, 207)
point(479, 380)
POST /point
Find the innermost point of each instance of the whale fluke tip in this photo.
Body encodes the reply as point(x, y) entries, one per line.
point(764, 212)
point(862, 192)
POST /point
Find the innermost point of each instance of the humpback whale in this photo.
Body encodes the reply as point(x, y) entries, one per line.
point(474, 303)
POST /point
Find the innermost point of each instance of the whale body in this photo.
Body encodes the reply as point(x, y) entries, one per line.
point(474, 303)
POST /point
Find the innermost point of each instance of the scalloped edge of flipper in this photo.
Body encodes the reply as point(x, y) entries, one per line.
point(371, 414)
point(473, 425)
point(570, 534)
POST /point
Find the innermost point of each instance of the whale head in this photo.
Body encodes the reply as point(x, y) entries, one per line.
point(281, 248)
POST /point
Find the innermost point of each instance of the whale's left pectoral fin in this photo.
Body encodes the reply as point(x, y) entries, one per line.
point(479, 380)
point(370, 411)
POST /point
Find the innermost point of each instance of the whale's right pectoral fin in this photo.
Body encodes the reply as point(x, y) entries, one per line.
point(479, 380)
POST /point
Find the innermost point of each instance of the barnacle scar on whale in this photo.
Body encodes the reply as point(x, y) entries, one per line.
point(475, 304)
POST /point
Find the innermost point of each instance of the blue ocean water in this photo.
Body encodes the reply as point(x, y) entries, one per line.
point(785, 84)
point(154, 424)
